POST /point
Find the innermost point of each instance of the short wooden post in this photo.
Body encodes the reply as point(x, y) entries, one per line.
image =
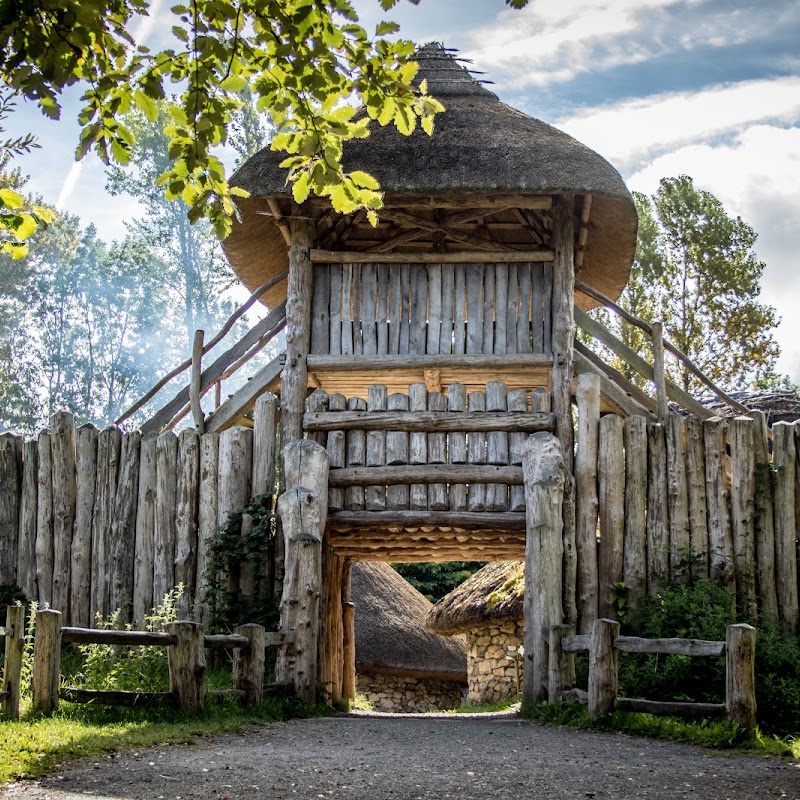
point(46, 660)
point(561, 664)
point(248, 664)
point(543, 470)
point(740, 659)
point(349, 677)
point(187, 665)
point(12, 668)
point(603, 668)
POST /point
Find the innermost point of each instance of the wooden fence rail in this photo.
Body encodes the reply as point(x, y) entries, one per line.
point(14, 633)
point(186, 645)
point(604, 644)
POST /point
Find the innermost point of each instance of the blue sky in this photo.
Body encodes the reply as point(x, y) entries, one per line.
point(708, 88)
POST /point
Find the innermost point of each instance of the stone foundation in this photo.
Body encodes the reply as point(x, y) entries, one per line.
point(399, 693)
point(491, 675)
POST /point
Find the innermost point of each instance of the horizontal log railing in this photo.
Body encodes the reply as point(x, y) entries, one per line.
point(603, 645)
point(14, 633)
point(186, 644)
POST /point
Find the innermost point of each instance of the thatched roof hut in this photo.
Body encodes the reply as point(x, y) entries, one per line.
point(390, 628)
point(493, 594)
point(480, 146)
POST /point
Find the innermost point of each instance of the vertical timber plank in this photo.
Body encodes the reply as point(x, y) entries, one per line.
point(144, 545)
point(457, 445)
point(611, 496)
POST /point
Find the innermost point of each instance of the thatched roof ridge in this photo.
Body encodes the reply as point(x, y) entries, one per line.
point(494, 593)
point(479, 145)
point(390, 628)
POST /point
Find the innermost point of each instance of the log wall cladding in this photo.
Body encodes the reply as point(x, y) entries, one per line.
point(94, 520)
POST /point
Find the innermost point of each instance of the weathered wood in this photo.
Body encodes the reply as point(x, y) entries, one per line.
point(698, 506)
point(164, 531)
point(476, 453)
point(543, 465)
point(336, 310)
point(429, 421)
point(588, 400)
point(447, 312)
point(317, 403)
point(85, 482)
point(524, 312)
point(12, 661)
point(10, 485)
point(488, 308)
point(674, 647)
point(634, 567)
point(46, 660)
point(517, 400)
point(659, 375)
point(740, 681)
point(109, 444)
point(330, 624)
point(720, 541)
point(356, 456)
point(569, 572)
point(375, 495)
point(501, 307)
point(224, 641)
point(382, 311)
point(117, 637)
point(337, 452)
point(670, 707)
point(563, 322)
point(476, 362)
point(457, 444)
point(102, 697)
point(187, 665)
point(742, 512)
point(397, 452)
point(62, 442)
point(44, 522)
point(537, 318)
point(349, 648)
point(474, 282)
point(122, 538)
point(483, 520)
point(207, 515)
point(577, 644)
point(603, 669)
point(657, 510)
point(426, 473)
point(497, 445)
point(418, 333)
point(264, 444)
point(547, 306)
point(611, 496)
point(561, 672)
point(294, 377)
point(512, 294)
point(144, 553)
point(405, 313)
point(764, 520)
point(356, 293)
point(186, 520)
point(677, 500)
point(784, 462)
point(248, 664)
point(194, 383)
point(437, 456)
point(26, 547)
point(460, 312)
point(320, 316)
point(455, 257)
point(418, 445)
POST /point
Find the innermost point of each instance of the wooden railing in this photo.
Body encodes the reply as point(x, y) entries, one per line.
point(14, 633)
point(604, 645)
point(186, 644)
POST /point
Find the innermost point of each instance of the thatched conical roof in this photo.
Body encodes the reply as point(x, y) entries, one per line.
point(390, 628)
point(480, 145)
point(494, 593)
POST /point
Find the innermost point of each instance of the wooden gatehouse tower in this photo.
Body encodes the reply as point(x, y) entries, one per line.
point(460, 300)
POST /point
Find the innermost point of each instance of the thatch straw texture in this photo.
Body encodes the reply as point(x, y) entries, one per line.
point(390, 628)
point(479, 145)
point(494, 593)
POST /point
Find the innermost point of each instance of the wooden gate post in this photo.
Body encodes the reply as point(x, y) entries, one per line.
point(740, 681)
point(248, 664)
point(187, 664)
point(303, 509)
point(12, 668)
point(46, 660)
point(561, 664)
point(543, 472)
point(603, 668)
point(349, 676)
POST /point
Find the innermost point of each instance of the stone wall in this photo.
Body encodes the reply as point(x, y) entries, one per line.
point(400, 693)
point(491, 675)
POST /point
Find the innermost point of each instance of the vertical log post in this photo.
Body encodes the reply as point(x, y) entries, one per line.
point(194, 382)
point(783, 458)
point(10, 484)
point(46, 660)
point(634, 568)
point(44, 522)
point(698, 504)
point(743, 513)
point(349, 676)
point(12, 665)
point(611, 472)
point(561, 664)
point(586, 501)
point(603, 669)
point(740, 682)
point(164, 530)
point(659, 374)
point(207, 516)
point(26, 550)
point(186, 507)
point(143, 567)
point(677, 500)
point(657, 509)
point(187, 665)
point(720, 541)
point(543, 471)
point(764, 520)
point(248, 664)
point(86, 478)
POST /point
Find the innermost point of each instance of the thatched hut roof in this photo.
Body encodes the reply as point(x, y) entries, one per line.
point(480, 145)
point(778, 406)
point(390, 628)
point(494, 593)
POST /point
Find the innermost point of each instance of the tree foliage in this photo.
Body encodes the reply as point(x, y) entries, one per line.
point(436, 580)
point(696, 271)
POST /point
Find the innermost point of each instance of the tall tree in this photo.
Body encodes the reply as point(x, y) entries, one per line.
point(696, 271)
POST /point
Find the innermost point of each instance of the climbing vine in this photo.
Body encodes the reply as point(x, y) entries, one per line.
point(242, 547)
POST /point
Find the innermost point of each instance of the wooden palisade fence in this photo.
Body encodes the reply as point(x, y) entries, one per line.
point(604, 644)
point(14, 634)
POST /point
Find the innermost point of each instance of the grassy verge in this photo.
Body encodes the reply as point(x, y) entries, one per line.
point(32, 746)
point(719, 734)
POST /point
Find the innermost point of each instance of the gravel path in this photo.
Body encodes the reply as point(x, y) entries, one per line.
point(394, 757)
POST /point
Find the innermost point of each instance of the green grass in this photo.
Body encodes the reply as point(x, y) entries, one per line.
point(718, 734)
point(32, 746)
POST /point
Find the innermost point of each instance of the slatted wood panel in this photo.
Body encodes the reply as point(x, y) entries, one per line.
point(431, 309)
